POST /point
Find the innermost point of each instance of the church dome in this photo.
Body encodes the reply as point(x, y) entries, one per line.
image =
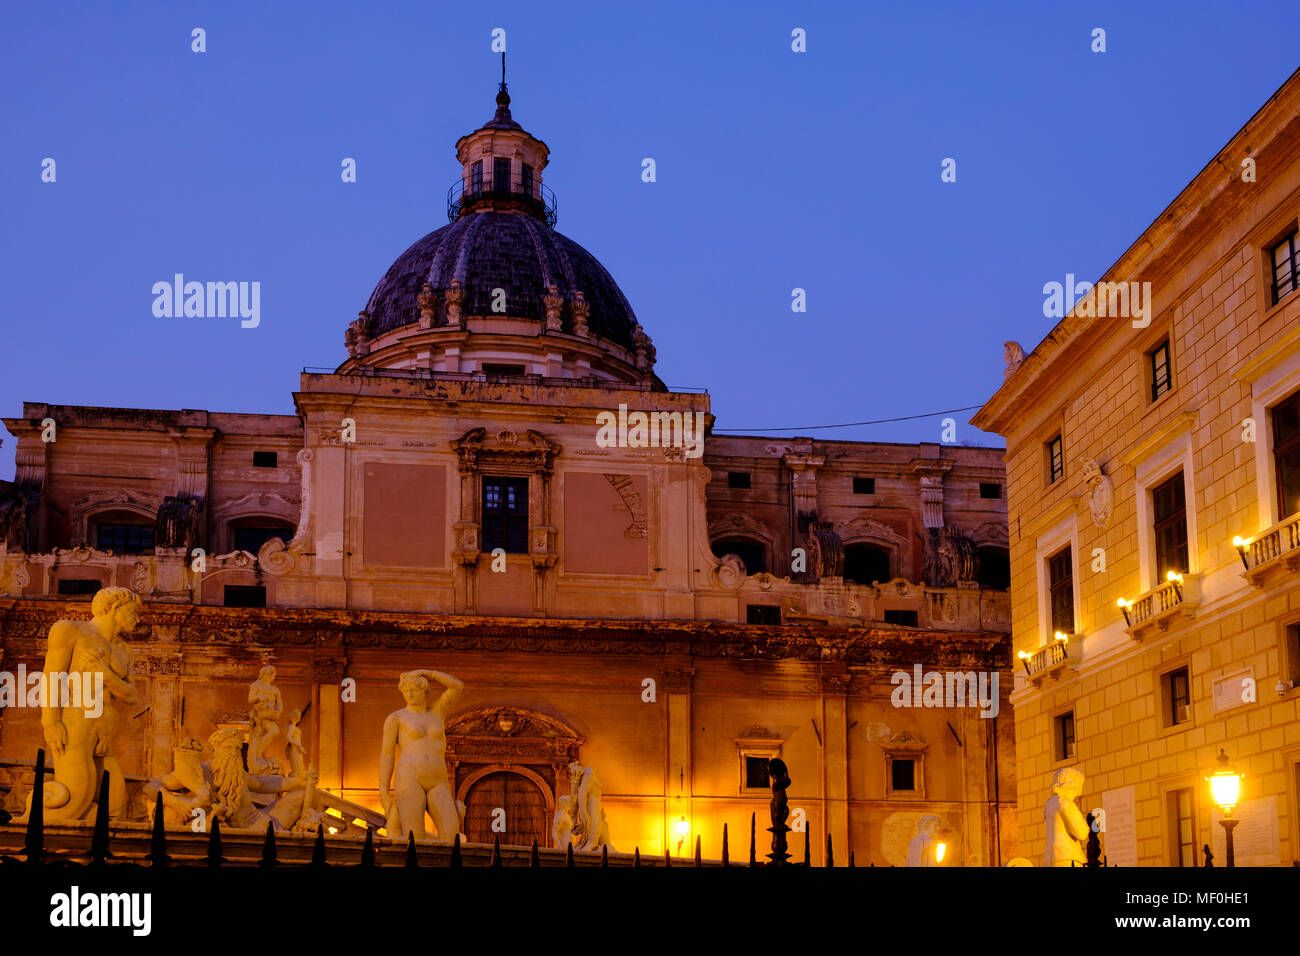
point(487, 250)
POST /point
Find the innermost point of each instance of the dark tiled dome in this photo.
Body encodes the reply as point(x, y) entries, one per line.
point(507, 250)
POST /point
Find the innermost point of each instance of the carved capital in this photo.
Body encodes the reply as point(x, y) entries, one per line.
point(678, 681)
point(328, 670)
point(165, 666)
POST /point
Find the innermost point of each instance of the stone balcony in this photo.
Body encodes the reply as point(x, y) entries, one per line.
point(1054, 659)
point(1166, 604)
point(1272, 554)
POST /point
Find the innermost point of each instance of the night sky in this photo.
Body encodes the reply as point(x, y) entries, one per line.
point(775, 170)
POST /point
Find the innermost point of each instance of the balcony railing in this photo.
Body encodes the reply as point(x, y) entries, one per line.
point(530, 196)
point(1160, 606)
point(549, 381)
point(1054, 659)
point(1271, 553)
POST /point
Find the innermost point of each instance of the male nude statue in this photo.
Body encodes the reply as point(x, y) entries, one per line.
point(418, 730)
point(1066, 828)
point(80, 744)
point(266, 704)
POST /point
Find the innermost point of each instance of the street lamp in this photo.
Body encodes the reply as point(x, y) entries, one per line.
point(1225, 790)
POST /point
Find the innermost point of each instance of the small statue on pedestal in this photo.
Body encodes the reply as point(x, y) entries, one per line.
point(780, 809)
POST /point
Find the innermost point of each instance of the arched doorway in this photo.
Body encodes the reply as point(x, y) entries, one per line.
point(524, 805)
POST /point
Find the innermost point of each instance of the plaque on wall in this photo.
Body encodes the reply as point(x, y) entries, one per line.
point(1234, 690)
point(1119, 838)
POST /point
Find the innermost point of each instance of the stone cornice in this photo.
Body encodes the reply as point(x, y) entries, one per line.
point(29, 621)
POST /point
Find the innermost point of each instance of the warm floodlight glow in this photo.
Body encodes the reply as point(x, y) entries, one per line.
point(683, 828)
point(1174, 576)
point(939, 850)
point(1225, 785)
point(1240, 544)
point(1062, 636)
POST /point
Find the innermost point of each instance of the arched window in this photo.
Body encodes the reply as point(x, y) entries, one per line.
point(866, 564)
point(995, 569)
point(249, 534)
point(751, 552)
point(122, 532)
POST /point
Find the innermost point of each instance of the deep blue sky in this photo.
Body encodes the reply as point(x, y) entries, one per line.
point(775, 170)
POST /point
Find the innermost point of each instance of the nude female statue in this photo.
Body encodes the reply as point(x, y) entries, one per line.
point(266, 704)
point(1066, 828)
point(80, 741)
point(418, 730)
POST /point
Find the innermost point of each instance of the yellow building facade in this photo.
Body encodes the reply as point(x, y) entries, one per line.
point(1158, 421)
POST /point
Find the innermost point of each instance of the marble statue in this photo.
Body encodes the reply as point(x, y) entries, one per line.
point(80, 738)
point(562, 825)
point(1101, 492)
point(1066, 828)
point(418, 774)
point(590, 829)
point(293, 747)
point(1013, 355)
point(265, 706)
point(921, 850)
point(186, 789)
point(233, 787)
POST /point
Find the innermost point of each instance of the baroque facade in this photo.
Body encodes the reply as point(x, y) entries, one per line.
point(672, 611)
point(1153, 471)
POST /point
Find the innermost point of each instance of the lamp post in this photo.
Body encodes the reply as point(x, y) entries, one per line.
point(1225, 790)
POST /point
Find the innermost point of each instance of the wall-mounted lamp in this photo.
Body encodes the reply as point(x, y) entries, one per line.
point(1124, 606)
point(683, 828)
point(939, 850)
point(1177, 580)
point(1062, 637)
point(1241, 544)
point(1024, 659)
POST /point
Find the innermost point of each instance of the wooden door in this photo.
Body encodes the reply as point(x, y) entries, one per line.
point(524, 805)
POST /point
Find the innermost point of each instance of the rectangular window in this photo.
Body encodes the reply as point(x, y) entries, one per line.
point(737, 479)
point(1182, 832)
point(265, 459)
point(1285, 261)
point(756, 776)
point(245, 595)
point(1055, 460)
point(501, 175)
point(1065, 736)
point(1286, 454)
point(1060, 578)
point(990, 489)
point(864, 486)
point(902, 774)
point(1169, 503)
point(1161, 380)
point(762, 614)
point(528, 179)
point(505, 514)
point(79, 587)
point(902, 618)
point(124, 538)
point(1178, 697)
point(476, 177)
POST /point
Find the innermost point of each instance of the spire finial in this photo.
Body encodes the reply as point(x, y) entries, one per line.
point(503, 97)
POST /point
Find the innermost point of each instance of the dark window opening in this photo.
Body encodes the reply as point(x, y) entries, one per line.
point(505, 514)
point(124, 538)
point(1065, 736)
point(1182, 828)
point(476, 177)
point(990, 489)
point(79, 587)
point(902, 774)
point(762, 614)
point(501, 175)
point(737, 479)
point(251, 538)
point(1060, 576)
point(245, 595)
point(1170, 505)
point(528, 179)
point(995, 569)
point(1286, 454)
point(751, 553)
point(1178, 690)
point(756, 776)
point(1055, 460)
point(1161, 380)
point(265, 459)
point(491, 369)
point(866, 564)
point(864, 486)
point(902, 618)
point(1285, 260)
